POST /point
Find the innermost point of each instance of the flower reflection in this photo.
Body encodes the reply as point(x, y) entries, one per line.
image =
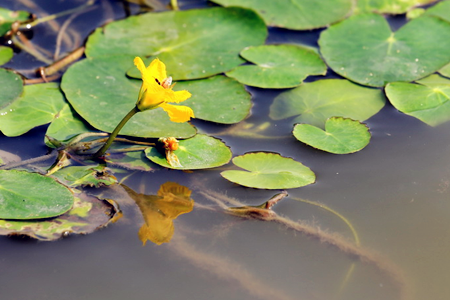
point(160, 210)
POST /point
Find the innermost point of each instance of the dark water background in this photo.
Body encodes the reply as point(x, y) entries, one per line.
point(395, 193)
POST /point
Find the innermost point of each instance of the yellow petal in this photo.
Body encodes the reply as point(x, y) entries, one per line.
point(176, 97)
point(154, 88)
point(151, 100)
point(157, 69)
point(178, 114)
point(180, 96)
point(141, 67)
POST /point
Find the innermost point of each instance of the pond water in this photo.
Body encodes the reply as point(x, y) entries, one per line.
point(394, 193)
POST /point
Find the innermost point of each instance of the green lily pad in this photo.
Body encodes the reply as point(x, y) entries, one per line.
point(93, 176)
point(10, 88)
point(87, 215)
point(415, 13)
point(38, 105)
point(278, 66)
point(193, 44)
point(130, 160)
point(269, 171)
point(25, 196)
point(341, 135)
point(364, 49)
point(440, 10)
point(7, 17)
point(66, 125)
point(217, 99)
point(199, 152)
point(433, 80)
point(313, 103)
point(389, 6)
point(296, 14)
point(6, 53)
point(100, 92)
point(445, 71)
point(428, 101)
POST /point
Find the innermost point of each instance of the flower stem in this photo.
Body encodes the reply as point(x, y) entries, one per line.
point(113, 135)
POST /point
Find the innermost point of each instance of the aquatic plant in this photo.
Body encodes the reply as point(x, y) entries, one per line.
point(215, 53)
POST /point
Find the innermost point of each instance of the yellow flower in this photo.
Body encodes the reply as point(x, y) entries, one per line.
point(156, 91)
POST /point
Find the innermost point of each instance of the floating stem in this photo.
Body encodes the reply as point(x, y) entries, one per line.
point(62, 63)
point(28, 161)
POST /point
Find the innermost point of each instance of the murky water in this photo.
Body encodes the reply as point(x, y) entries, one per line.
point(394, 192)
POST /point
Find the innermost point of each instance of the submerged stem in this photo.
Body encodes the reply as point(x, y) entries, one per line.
point(30, 50)
point(57, 15)
point(28, 161)
point(331, 239)
point(352, 229)
point(116, 131)
point(344, 219)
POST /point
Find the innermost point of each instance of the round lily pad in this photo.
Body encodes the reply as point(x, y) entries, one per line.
point(415, 13)
point(313, 103)
point(445, 71)
point(25, 196)
point(269, 171)
point(428, 101)
point(440, 10)
point(217, 99)
point(100, 92)
point(296, 14)
point(193, 44)
point(93, 176)
point(66, 125)
point(278, 66)
point(341, 135)
point(199, 152)
point(87, 215)
point(11, 87)
point(38, 105)
point(364, 49)
point(6, 53)
point(389, 6)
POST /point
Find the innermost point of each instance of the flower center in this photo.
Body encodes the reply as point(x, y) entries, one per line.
point(166, 83)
